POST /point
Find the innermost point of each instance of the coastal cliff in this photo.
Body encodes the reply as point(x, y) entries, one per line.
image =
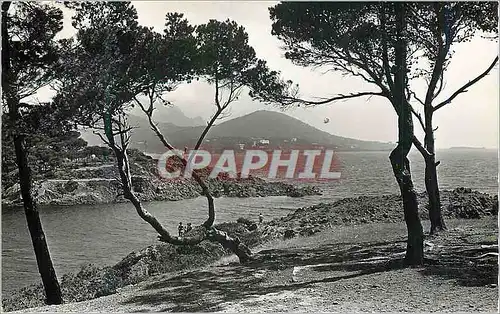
point(99, 185)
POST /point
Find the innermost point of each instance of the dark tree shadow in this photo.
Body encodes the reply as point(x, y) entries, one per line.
point(464, 267)
point(206, 290)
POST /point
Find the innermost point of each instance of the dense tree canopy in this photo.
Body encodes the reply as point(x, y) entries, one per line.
point(357, 38)
point(361, 39)
point(33, 52)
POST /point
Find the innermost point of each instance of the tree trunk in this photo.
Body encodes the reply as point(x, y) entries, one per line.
point(233, 244)
point(398, 157)
point(431, 180)
point(42, 254)
point(401, 169)
point(432, 187)
point(44, 262)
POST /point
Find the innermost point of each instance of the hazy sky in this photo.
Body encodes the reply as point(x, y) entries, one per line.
point(471, 120)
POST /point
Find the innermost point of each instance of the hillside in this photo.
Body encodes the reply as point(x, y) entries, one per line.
point(170, 118)
point(170, 114)
point(275, 126)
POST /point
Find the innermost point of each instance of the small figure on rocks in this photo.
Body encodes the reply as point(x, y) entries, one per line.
point(189, 227)
point(261, 218)
point(181, 229)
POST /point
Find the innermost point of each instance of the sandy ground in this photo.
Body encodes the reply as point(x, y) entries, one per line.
point(345, 269)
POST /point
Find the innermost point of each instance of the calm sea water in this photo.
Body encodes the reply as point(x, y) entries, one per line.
point(104, 234)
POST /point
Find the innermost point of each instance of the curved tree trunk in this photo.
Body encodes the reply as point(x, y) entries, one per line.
point(401, 169)
point(398, 157)
point(233, 244)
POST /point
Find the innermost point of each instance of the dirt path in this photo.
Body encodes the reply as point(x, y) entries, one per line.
point(349, 268)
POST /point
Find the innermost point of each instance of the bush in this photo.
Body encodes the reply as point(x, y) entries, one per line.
point(70, 186)
point(89, 283)
point(290, 233)
point(245, 221)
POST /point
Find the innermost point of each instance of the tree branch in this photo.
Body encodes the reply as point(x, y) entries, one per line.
point(103, 139)
point(469, 84)
point(442, 51)
point(420, 147)
point(128, 193)
point(335, 98)
point(440, 88)
point(416, 98)
point(419, 117)
point(217, 103)
point(211, 207)
point(233, 90)
point(122, 131)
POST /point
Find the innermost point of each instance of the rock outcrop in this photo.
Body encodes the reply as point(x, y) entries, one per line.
point(99, 185)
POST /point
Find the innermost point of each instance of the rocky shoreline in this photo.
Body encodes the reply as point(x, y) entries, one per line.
point(461, 203)
point(98, 182)
point(92, 281)
point(97, 188)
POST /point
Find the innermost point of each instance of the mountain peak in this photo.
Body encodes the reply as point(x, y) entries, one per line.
point(171, 114)
point(277, 127)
